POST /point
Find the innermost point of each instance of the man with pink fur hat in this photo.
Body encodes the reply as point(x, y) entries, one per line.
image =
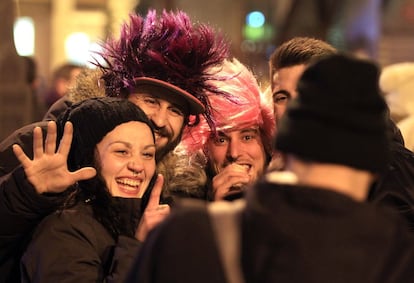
point(237, 147)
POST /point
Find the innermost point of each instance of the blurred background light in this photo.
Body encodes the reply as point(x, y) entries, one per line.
point(77, 48)
point(24, 36)
point(255, 19)
point(94, 55)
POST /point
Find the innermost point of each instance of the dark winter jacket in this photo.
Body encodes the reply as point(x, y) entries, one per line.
point(395, 187)
point(21, 209)
point(19, 219)
point(288, 234)
point(72, 246)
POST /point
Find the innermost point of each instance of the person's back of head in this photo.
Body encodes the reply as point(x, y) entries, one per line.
point(339, 116)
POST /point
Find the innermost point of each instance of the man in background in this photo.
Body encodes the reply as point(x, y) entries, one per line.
point(286, 65)
point(63, 79)
point(395, 186)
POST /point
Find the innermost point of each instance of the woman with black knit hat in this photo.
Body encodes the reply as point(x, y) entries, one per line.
point(160, 62)
point(110, 165)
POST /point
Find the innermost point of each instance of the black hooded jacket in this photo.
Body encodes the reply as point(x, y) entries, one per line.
point(288, 233)
point(395, 187)
point(73, 246)
point(21, 209)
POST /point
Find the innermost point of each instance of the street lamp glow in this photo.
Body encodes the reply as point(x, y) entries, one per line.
point(77, 47)
point(24, 36)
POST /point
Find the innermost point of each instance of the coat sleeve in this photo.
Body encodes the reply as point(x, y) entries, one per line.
point(21, 209)
point(22, 137)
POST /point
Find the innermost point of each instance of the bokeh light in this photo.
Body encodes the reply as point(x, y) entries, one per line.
point(24, 36)
point(255, 19)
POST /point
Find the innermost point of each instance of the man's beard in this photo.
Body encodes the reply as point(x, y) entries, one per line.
point(170, 146)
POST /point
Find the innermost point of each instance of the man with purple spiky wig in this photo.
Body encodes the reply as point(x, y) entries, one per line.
point(160, 63)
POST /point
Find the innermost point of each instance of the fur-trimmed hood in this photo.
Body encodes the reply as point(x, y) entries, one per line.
point(88, 85)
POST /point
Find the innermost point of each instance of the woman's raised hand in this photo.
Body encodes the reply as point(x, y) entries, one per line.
point(48, 171)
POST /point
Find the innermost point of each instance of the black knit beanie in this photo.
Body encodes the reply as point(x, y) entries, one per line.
point(92, 119)
point(338, 117)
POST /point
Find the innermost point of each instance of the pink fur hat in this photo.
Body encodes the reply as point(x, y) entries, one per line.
point(243, 107)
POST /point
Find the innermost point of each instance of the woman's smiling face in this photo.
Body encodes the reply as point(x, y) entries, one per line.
point(127, 159)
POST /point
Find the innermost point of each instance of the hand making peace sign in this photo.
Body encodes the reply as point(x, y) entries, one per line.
point(154, 213)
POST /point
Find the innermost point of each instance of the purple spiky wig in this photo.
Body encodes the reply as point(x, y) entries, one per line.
point(166, 47)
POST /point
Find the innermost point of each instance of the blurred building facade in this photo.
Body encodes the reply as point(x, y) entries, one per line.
point(382, 29)
point(372, 25)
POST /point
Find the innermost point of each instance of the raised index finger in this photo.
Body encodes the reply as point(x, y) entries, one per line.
point(154, 199)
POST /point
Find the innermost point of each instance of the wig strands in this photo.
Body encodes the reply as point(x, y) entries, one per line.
point(166, 47)
point(247, 107)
